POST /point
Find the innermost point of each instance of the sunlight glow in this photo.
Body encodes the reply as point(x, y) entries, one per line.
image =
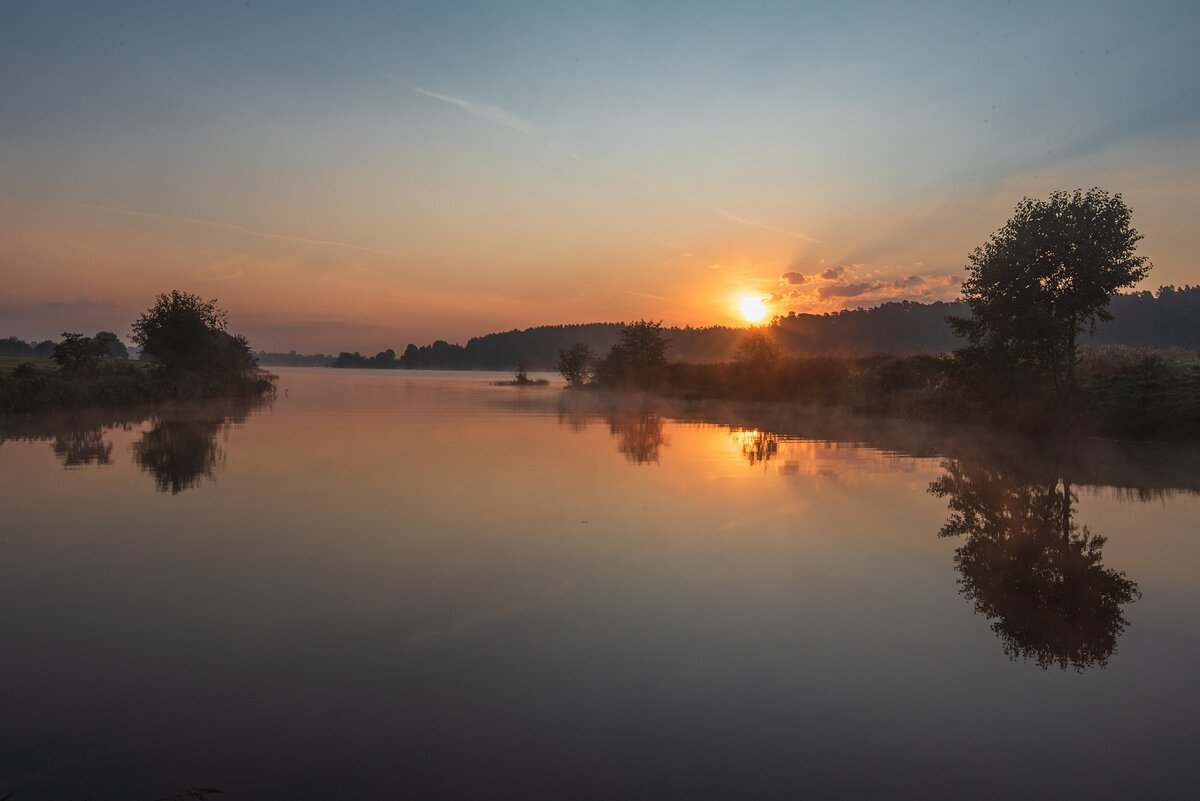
point(753, 308)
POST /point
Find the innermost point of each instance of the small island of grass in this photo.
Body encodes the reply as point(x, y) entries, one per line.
point(522, 379)
point(187, 353)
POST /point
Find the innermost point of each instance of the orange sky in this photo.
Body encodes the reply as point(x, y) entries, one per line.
point(361, 185)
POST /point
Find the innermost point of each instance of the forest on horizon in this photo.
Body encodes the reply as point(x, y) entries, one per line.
point(1168, 319)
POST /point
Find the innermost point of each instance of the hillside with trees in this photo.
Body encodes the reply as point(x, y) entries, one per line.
point(1166, 319)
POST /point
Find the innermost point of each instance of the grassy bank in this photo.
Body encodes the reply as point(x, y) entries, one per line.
point(40, 385)
point(1122, 392)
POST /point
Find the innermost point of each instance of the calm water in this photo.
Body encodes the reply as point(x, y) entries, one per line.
point(404, 585)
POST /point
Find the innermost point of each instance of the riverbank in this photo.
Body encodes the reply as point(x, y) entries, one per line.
point(32, 386)
point(1124, 393)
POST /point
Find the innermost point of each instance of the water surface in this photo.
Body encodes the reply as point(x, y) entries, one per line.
point(400, 584)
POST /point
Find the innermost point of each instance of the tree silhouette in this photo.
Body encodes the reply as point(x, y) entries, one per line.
point(639, 358)
point(113, 346)
point(1047, 276)
point(77, 352)
point(1030, 569)
point(182, 331)
point(577, 364)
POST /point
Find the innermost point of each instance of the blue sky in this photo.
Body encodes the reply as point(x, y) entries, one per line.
point(365, 174)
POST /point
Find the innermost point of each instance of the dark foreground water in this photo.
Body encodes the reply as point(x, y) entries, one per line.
point(393, 585)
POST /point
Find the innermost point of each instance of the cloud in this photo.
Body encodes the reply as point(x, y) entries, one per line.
point(833, 273)
point(494, 114)
point(793, 277)
point(78, 305)
point(241, 229)
point(848, 290)
point(644, 295)
point(764, 226)
point(516, 122)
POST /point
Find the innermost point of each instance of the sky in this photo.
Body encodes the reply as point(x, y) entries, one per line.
point(358, 175)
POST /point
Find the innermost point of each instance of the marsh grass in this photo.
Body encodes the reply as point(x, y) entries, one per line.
point(1122, 391)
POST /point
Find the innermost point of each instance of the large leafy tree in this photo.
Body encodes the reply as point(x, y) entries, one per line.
point(576, 364)
point(639, 358)
point(182, 331)
point(1046, 277)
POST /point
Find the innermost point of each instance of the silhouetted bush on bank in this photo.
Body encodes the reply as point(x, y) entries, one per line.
point(120, 384)
point(188, 355)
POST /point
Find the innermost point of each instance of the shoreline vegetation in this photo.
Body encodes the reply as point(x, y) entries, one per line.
point(1167, 319)
point(187, 354)
point(1122, 393)
point(1033, 290)
point(1040, 299)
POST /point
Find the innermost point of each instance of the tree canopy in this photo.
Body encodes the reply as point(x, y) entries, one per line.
point(182, 331)
point(577, 364)
point(1047, 276)
point(640, 356)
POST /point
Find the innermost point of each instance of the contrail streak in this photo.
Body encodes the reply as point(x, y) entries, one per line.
point(241, 229)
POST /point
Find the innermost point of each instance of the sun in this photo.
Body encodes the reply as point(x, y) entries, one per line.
point(752, 308)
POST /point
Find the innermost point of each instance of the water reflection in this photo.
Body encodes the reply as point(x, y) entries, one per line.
point(1029, 567)
point(179, 450)
point(76, 448)
point(759, 447)
point(639, 436)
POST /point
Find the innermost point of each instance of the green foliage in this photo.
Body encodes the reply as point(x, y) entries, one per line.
point(1046, 277)
point(77, 352)
point(577, 364)
point(182, 331)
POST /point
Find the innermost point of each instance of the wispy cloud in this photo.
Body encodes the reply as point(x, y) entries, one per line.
point(764, 226)
point(241, 229)
point(509, 119)
point(644, 295)
point(487, 111)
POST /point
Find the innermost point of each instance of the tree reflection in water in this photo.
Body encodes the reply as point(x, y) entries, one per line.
point(1030, 569)
point(759, 447)
point(78, 447)
point(639, 436)
point(180, 452)
point(181, 449)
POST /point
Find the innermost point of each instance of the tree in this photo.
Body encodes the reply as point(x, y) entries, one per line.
point(1045, 277)
point(113, 346)
point(639, 357)
point(758, 350)
point(11, 346)
point(522, 372)
point(577, 364)
point(77, 352)
point(182, 331)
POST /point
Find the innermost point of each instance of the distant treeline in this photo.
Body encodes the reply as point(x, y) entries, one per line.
point(1168, 318)
point(293, 359)
point(11, 346)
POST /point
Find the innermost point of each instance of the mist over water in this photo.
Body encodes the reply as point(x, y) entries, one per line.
point(389, 584)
